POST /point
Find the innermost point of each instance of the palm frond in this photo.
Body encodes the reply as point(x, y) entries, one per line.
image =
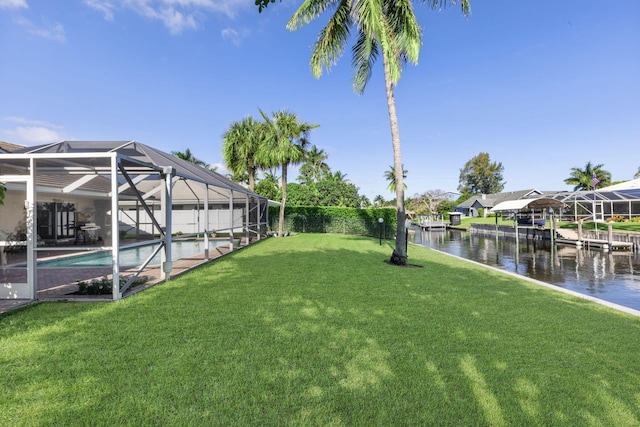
point(364, 54)
point(332, 39)
point(310, 10)
point(465, 5)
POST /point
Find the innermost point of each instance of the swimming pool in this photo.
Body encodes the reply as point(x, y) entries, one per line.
point(133, 257)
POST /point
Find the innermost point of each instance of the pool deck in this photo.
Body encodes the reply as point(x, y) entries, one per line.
point(59, 284)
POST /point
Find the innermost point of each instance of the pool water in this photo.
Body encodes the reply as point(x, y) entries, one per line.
point(132, 257)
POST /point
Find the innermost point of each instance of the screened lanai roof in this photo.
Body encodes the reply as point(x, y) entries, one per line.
point(142, 161)
point(604, 195)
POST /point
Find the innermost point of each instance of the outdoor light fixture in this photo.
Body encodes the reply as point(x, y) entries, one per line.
point(407, 224)
point(380, 225)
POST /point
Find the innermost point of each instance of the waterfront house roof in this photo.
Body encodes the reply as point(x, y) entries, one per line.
point(487, 201)
point(7, 147)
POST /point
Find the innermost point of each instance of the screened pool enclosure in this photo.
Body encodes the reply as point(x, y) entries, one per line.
point(599, 205)
point(61, 198)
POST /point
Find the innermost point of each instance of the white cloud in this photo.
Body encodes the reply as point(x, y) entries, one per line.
point(32, 131)
point(13, 4)
point(35, 134)
point(176, 15)
point(103, 6)
point(53, 31)
point(234, 36)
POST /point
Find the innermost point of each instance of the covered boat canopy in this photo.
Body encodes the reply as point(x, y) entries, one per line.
point(516, 205)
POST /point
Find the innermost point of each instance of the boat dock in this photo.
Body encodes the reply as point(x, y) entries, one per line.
point(433, 225)
point(603, 239)
point(571, 237)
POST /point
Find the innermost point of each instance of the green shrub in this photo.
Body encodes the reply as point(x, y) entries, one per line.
point(104, 286)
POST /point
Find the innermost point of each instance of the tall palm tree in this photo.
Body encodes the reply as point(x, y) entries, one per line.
point(286, 141)
point(386, 28)
point(241, 143)
point(581, 179)
point(314, 168)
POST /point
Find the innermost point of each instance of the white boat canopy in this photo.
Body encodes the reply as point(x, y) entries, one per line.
point(520, 204)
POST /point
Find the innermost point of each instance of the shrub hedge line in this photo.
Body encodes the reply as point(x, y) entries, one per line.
point(335, 219)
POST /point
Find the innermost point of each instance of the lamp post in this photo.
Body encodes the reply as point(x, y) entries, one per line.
point(407, 224)
point(380, 225)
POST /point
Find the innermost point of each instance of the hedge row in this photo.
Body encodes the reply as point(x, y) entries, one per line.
point(333, 219)
point(370, 214)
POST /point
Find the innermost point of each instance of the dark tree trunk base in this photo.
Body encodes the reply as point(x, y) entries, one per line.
point(398, 259)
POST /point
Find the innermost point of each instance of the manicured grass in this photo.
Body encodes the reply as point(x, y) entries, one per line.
point(318, 330)
point(617, 226)
point(467, 221)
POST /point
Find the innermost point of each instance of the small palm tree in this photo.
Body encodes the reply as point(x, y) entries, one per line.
point(637, 175)
point(390, 176)
point(241, 144)
point(189, 157)
point(581, 179)
point(314, 168)
point(285, 143)
point(337, 176)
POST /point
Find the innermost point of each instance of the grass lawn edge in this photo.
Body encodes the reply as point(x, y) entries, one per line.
point(613, 305)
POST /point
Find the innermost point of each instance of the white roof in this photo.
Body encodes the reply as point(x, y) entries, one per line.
point(516, 205)
point(627, 185)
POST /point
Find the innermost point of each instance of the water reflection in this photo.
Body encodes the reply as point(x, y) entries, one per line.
point(611, 276)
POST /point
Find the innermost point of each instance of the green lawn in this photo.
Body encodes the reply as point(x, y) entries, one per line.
point(318, 330)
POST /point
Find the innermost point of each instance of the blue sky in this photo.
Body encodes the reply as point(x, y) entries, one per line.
point(542, 86)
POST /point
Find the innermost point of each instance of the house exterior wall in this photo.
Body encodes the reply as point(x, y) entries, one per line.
point(11, 213)
point(186, 221)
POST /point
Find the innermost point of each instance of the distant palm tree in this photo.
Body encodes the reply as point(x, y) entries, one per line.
point(378, 201)
point(189, 157)
point(581, 179)
point(286, 141)
point(391, 176)
point(364, 202)
point(338, 176)
point(241, 144)
point(314, 168)
point(637, 175)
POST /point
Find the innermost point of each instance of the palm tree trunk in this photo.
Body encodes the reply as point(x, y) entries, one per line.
point(252, 176)
point(284, 200)
point(399, 255)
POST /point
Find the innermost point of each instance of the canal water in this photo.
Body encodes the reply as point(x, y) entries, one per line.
point(610, 276)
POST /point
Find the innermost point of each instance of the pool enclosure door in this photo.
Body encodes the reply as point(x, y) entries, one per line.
point(16, 247)
point(598, 211)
